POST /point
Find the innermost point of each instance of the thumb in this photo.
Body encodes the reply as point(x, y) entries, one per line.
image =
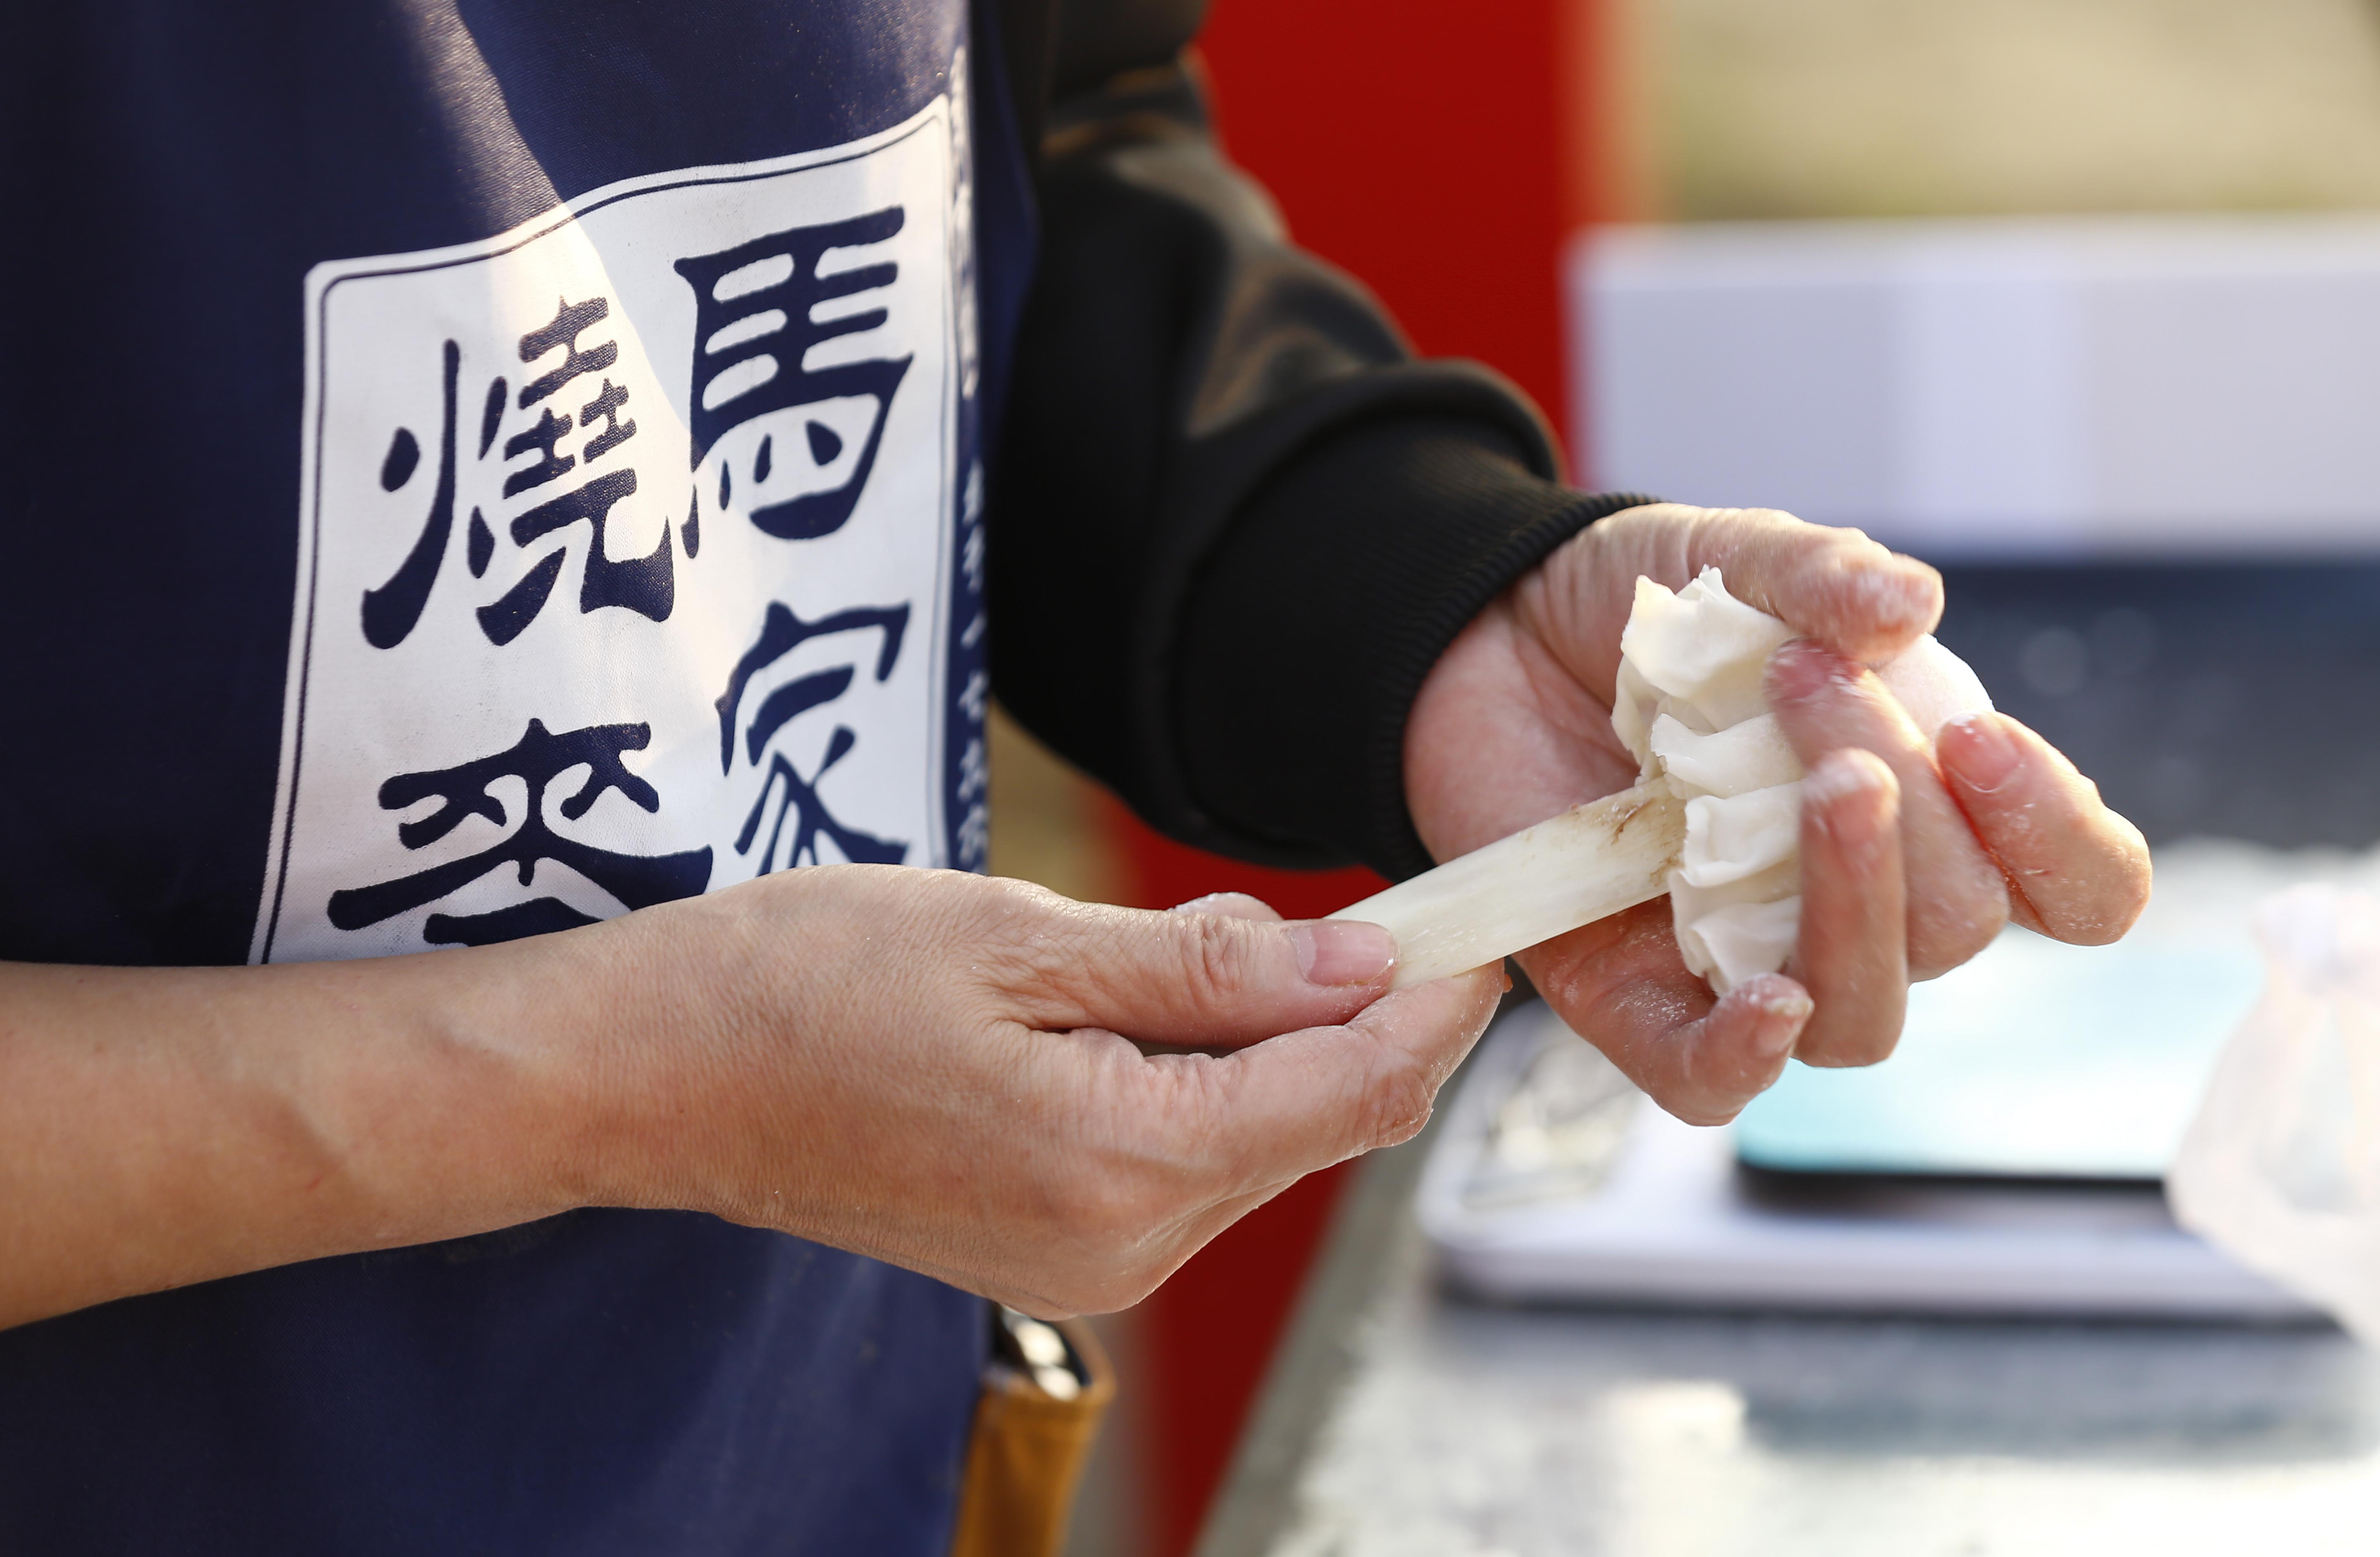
point(1192, 979)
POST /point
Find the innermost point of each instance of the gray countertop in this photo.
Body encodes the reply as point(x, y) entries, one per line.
point(1401, 1418)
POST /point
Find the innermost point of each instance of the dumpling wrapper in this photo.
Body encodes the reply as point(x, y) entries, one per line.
point(1742, 940)
point(1730, 839)
point(1703, 648)
point(1690, 706)
point(1736, 761)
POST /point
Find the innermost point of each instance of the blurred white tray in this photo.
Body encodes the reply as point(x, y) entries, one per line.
point(1553, 1180)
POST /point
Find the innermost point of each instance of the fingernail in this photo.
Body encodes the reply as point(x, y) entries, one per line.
point(1801, 670)
point(1783, 1018)
point(1978, 751)
point(1343, 952)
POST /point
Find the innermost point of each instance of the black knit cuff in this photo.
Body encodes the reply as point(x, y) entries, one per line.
point(1309, 631)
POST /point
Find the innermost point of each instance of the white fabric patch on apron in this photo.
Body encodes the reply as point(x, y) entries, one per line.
point(625, 554)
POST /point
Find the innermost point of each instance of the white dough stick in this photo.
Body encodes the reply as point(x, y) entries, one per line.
point(1587, 864)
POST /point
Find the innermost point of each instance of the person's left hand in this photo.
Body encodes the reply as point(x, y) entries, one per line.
point(1914, 854)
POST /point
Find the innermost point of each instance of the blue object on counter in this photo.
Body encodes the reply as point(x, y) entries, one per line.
point(2035, 1060)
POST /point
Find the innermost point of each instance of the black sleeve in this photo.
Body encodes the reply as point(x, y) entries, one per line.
point(1233, 521)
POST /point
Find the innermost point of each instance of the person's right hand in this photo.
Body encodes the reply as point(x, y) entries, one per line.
point(943, 1070)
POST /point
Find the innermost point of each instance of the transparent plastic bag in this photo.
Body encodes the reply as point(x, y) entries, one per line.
point(2281, 1167)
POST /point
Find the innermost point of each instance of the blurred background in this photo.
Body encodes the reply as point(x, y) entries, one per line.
point(2066, 206)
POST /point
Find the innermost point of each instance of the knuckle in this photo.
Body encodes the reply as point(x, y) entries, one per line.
point(1779, 519)
point(1950, 927)
point(1218, 954)
point(1397, 1099)
point(1013, 916)
point(1041, 949)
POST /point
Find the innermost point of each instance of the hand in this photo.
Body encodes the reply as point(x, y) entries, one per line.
point(925, 1066)
point(917, 1064)
point(1912, 858)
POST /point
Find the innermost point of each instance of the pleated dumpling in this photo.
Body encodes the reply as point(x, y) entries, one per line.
point(1690, 706)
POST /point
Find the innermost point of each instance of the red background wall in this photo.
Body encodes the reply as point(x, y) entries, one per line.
point(1441, 153)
